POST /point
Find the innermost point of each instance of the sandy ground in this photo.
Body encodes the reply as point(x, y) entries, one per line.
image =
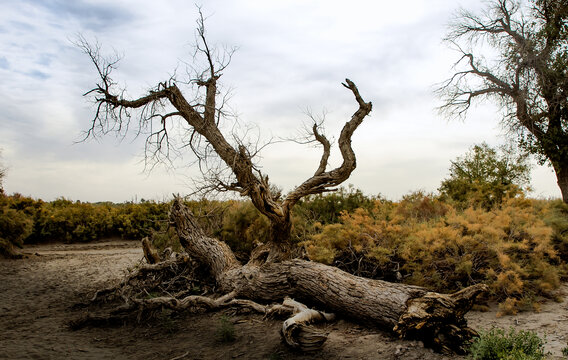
point(38, 294)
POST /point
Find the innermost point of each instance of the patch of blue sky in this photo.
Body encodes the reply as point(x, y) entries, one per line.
point(36, 74)
point(4, 64)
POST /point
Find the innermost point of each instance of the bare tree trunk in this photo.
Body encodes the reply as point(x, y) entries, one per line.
point(562, 180)
point(404, 310)
point(270, 275)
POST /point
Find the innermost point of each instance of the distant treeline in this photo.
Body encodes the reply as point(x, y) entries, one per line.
point(31, 221)
point(517, 245)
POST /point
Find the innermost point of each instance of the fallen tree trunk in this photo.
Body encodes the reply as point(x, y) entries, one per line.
point(407, 311)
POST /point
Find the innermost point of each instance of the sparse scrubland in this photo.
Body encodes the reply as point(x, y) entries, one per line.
point(479, 228)
point(517, 247)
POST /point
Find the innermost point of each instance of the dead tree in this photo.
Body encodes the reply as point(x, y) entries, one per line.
point(272, 274)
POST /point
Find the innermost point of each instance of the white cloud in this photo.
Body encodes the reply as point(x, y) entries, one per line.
point(292, 55)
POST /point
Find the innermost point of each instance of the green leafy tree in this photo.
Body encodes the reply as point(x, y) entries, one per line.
point(516, 55)
point(484, 176)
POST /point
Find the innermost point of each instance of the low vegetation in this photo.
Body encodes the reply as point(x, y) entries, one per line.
point(477, 229)
point(516, 249)
point(498, 344)
point(226, 330)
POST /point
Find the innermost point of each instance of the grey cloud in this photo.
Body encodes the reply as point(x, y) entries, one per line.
point(36, 74)
point(285, 64)
point(92, 16)
point(20, 25)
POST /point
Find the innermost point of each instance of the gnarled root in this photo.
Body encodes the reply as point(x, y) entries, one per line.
point(187, 303)
point(297, 331)
point(438, 319)
point(176, 269)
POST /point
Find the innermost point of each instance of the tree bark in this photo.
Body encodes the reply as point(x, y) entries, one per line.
point(562, 180)
point(532, 91)
point(404, 310)
point(150, 253)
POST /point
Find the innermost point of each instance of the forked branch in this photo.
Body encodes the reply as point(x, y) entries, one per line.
point(165, 106)
point(323, 180)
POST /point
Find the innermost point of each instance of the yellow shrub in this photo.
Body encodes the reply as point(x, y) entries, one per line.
point(434, 245)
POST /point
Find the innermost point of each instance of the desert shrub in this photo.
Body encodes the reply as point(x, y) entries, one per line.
point(243, 227)
point(313, 212)
point(165, 237)
point(364, 243)
point(64, 220)
point(421, 207)
point(557, 218)
point(210, 214)
point(497, 344)
point(226, 330)
point(327, 208)
point(485, 177)
point(25, 204)
point(15, 226)
point(137, 220)
point(238, 223)
point(425, 242)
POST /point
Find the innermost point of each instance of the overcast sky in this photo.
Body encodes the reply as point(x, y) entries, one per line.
point(292, 56)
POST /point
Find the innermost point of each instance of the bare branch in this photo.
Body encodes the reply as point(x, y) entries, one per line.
point(227, 163)
point(322, 181)
point(526, 75)
point(326, 149)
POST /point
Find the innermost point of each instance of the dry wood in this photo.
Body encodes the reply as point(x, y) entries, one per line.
point(408, 311)
point(271, 275)
point(113, 109)
point(150, 253)
point(296, 330)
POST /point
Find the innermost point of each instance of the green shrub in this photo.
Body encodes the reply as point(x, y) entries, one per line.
point(166, 238)
point(327, 208)
point(226, 330)
point(497, 344)
point(243, 226)
point(64, 220)
point(557, 218)
point(15, 226)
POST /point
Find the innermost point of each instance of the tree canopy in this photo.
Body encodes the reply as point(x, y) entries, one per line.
point(516, 55)
point(485, 176)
